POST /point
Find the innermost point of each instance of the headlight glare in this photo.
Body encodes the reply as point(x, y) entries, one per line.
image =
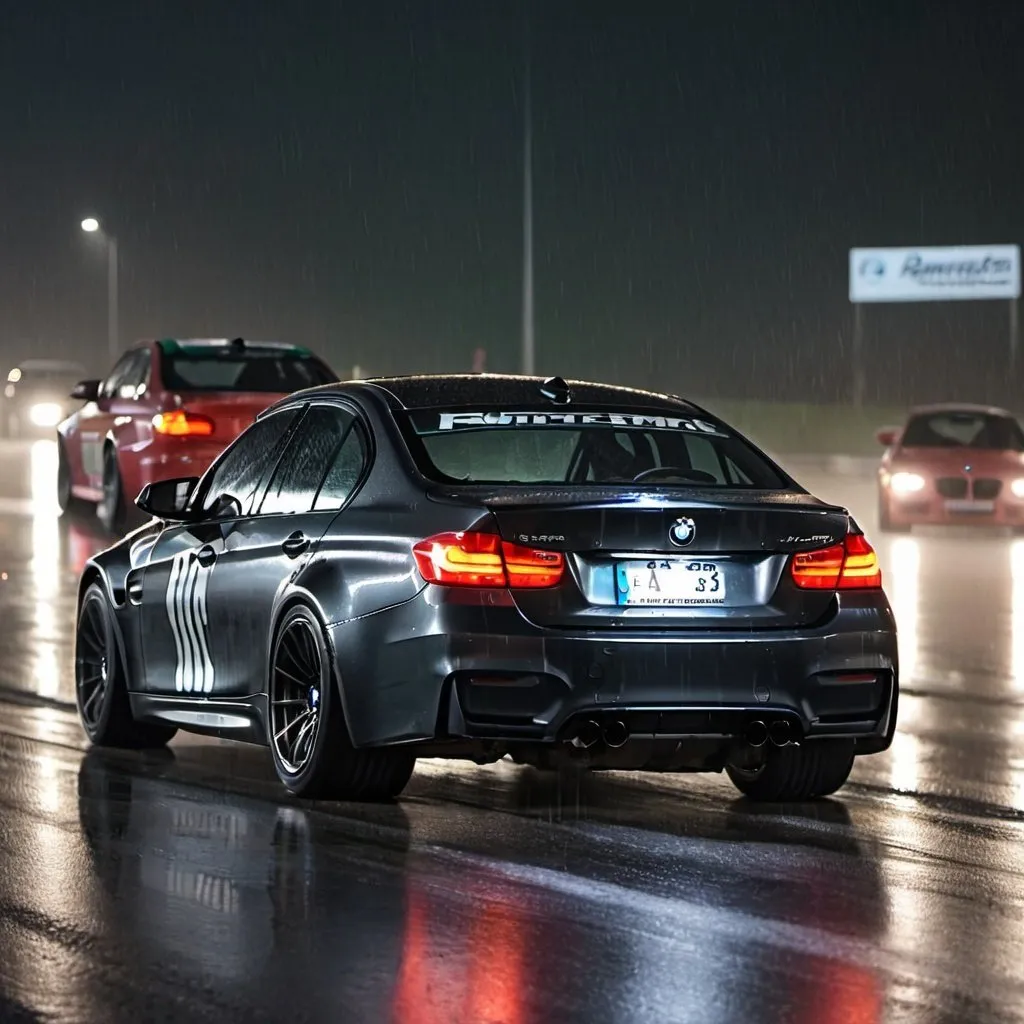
point(45, 414)
point(906, 483)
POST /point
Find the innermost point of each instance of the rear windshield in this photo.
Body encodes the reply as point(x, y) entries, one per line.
point(964, 430)
point(601, 447)
point(222, 370)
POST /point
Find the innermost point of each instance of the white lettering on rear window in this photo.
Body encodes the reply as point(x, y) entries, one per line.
point(454, 420)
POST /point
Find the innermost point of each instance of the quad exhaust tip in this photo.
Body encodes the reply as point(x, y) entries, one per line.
point(589, 734)
point(616, 733)
point(779, 733)
point(757, 734)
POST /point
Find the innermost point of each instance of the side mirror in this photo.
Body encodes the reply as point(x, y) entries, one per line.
point(887, 436)
point(86, 390)
point(167, 499)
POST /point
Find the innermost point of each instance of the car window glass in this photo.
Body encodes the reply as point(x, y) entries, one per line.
point(344, 473)
point(312, 447)
point(140, 372)
point(118, 376)
point(964, 430)
point(132, 383)
point(248, 462)
point(592, 447)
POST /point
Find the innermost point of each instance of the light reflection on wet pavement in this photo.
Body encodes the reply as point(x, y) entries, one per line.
point(184, 887)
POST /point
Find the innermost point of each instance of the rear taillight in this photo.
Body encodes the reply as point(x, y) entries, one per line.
point(852, 565)
point(485, 560)
point(179, 423)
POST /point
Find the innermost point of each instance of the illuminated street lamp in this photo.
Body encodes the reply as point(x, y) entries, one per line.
point(91, 226)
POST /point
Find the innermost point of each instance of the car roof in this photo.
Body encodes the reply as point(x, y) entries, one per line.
point(49, 364)
point(452, 390)
point(171, 345)
point(965, 407)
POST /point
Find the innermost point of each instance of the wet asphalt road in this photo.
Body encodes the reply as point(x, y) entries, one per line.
point(185, 887)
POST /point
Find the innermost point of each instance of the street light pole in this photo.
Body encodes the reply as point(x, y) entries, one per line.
point(113, 343)
point(91, 226)
point(528, 347)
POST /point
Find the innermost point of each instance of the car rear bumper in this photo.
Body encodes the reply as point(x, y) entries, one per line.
point(429, 670)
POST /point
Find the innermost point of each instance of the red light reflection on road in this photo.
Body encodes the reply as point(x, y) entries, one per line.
point(453, 972)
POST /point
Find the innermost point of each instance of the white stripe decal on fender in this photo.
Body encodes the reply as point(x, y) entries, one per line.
point(189, 622)
point(177, 567)
point(204, 682)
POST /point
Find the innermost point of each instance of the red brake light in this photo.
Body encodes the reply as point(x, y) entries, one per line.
point(485, 560)
point(852, 565)
point(179, 423)
point(532, 567)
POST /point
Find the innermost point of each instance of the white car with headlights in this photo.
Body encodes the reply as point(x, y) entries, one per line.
point(36, 396)
point(952, 464)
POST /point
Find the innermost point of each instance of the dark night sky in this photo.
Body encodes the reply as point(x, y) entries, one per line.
point(352, 180)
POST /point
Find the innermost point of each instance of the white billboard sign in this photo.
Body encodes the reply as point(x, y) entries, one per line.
point(935, 275)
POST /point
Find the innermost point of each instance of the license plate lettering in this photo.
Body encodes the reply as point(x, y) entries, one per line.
point(670, 583)
point(966, 505)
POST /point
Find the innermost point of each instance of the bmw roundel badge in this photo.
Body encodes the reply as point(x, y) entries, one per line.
point(682, 531)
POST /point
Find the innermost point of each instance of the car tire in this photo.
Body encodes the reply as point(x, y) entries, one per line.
point(101, 685)
point(303, 698)
point(66, 501)
point(795, 772)
point(111, 510)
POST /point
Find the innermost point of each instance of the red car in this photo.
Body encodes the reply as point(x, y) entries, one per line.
point(952, 464)
point(167, 410)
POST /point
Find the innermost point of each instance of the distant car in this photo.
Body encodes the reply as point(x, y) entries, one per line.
point(37, 396)
point(952, 464)
point(481, 566)
point(167, 409)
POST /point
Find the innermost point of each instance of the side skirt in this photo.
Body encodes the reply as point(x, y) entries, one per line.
point(234, 718)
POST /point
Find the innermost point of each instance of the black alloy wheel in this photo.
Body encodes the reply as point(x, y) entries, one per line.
point(299, 679)
point(309, 739)
point(101, 693)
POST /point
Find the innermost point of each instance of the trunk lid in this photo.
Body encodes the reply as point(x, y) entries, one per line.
point(727, 568)
point(231, 411)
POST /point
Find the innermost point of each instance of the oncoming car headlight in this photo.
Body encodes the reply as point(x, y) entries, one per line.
point(906, 483)
point(45, 414)
point(1017, 488)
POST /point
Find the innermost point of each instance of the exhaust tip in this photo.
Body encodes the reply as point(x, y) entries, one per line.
point(589, 733)
point(757, 734)
point(616, 733)
point(779, 733)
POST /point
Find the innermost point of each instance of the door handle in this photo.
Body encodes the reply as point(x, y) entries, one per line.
point(295, 545)
point(206, 556)
point(135, 590)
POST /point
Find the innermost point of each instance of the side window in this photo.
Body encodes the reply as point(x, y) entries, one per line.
point(248, 462)
point(344, 473)
point(118, 376)
point(133, 381)
point(313, 445)
point(140, 373)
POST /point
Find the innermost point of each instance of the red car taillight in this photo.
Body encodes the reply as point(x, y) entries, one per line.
point(852, 565)
point(179, 423)
point(485, 560)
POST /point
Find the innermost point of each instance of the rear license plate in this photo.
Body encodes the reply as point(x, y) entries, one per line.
point(670, 582)
point(967, 506)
